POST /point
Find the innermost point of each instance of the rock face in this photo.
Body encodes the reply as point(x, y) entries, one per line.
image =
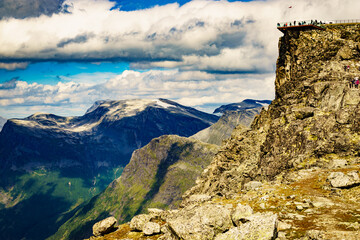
point(104, 226)
point(54, 162)
point(157, 175)
point(315, 117)
point(223, 128)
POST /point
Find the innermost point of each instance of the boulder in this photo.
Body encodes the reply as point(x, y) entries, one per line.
point(151, 228)
point(201, 222)
point(338, 163)
point(260, 227)
point(138, 222)
point(241, 213)
point(342, 180)
point(104, 226)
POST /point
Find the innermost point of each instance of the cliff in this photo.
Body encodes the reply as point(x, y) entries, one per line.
point(295, 173)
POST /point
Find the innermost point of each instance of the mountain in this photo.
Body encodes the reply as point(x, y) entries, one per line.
point(2, 122)
point(157, 175)
point(246, 104)
point(223, 128)
point(295, 174)
point(56, 163)
point(29, 8)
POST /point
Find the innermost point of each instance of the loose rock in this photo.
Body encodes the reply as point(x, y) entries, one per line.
point(342, 180)
point(151, 228)
point(104, 226)
point(260, 227)
point(138, 222)
point(201, 222)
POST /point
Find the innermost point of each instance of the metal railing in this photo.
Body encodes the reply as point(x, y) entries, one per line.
point(344, 21)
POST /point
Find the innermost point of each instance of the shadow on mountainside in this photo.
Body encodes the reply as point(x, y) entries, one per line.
point(173, 157)
point(34, 218)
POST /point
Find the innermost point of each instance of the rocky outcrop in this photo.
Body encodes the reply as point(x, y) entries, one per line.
point(202, 222)
point(157, 176)
point(314, 119)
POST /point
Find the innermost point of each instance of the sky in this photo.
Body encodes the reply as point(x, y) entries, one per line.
point(200, 53)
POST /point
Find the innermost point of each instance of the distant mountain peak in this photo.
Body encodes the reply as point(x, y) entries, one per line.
point(246, 104)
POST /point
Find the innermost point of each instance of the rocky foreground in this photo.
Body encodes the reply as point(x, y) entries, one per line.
point(295, 173)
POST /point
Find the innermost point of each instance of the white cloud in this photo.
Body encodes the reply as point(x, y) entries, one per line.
point(208, 35)
point(21, 99)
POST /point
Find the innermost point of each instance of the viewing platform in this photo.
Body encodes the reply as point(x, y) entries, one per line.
point(311, 24)
point(301, 25)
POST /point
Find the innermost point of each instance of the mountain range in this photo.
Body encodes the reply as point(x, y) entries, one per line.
point(52, 164)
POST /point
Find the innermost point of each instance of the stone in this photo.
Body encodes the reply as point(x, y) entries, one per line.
point(338, 163)
point(283, 226)
point(104, 226)
point(201, 222)
point(155, 211)
point(342, 180)
point(151, 228)
point(138, 222)
point(241, 213)
point(260, 227)
point(253, 185)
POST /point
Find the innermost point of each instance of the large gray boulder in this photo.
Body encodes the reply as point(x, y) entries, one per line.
point(201, 222)
point(138, 222)
point(259, 227)
point(241, 214)
point(104, 226)
point(344, 180)
point(151, 228)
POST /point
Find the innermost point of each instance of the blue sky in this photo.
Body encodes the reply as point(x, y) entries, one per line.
point(200, 53)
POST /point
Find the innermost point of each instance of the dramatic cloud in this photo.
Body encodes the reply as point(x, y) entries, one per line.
point(215, 36)
point(191, 88)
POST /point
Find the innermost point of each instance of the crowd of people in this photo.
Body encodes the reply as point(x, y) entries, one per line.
point(301, 23)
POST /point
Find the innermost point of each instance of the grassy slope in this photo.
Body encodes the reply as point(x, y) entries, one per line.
point(157, 175)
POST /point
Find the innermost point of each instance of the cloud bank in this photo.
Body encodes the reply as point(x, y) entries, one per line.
point(191, 88)
point(200, 35)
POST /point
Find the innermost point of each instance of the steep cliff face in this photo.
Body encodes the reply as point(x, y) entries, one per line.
point(314, 119)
